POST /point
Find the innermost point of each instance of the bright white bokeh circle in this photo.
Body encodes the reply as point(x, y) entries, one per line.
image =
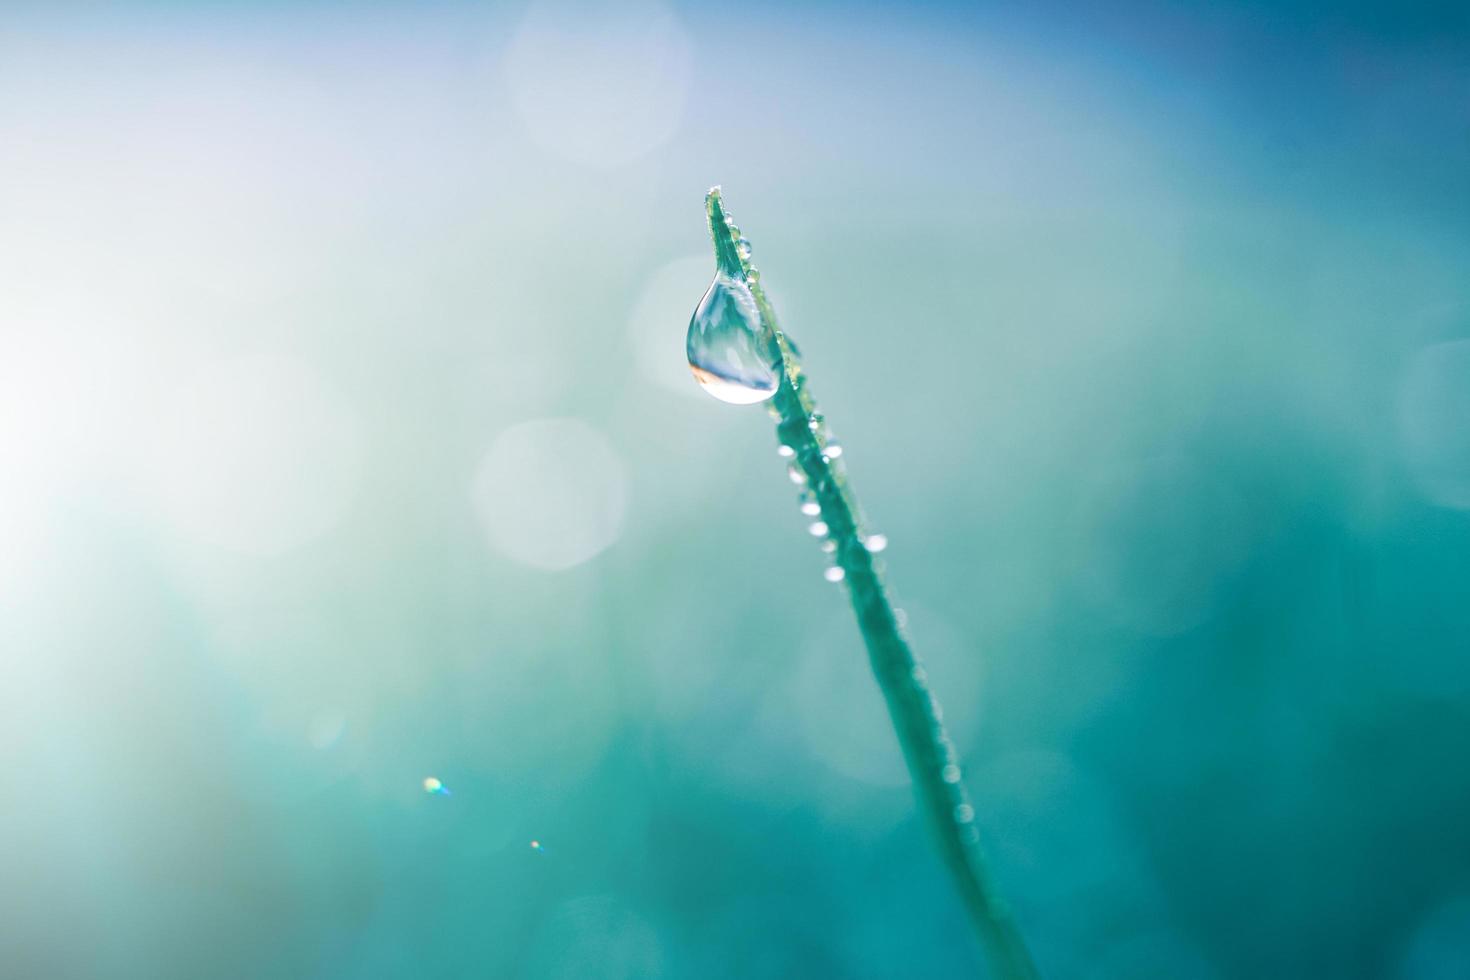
point(599, 84)
point(1434, 422)
point(551, 493)
point(256, 455)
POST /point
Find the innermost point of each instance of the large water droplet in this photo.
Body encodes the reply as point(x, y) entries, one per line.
point(728, 351)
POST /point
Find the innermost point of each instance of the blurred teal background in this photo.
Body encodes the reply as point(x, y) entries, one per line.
point(346, 441)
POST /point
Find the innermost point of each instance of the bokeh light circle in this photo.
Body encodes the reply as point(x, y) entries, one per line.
point(551, 493)
point(599, 85)
point(660, 320)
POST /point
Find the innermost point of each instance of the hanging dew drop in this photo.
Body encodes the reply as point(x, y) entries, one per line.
point(742, 248)
point(730, 355)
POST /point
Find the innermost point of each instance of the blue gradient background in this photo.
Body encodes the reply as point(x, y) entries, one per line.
point(1146, 328)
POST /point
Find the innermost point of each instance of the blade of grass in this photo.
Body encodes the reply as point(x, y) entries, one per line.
point(927, 749)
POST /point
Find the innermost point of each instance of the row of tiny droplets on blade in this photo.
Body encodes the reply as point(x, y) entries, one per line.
point(830, 449)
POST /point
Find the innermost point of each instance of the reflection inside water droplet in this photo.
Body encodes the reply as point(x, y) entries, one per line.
point(875, 542)
point(834, 574)
point(729, 352)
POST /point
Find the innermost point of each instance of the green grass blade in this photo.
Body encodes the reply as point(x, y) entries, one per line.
point(932, 762)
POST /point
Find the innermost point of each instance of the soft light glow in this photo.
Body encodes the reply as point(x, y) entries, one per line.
point(660, 318)
point(551, 493)
point(599, 85)
point(326, 728)
point(1434, 422)
point(256, 455)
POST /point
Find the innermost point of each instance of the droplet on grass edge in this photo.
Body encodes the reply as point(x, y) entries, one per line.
point(729, 353)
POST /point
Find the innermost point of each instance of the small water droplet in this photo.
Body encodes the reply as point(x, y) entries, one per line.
point(536, 846)
point(829, 546)
point(730, 353)
point(818, 529)
point(742, 248)
point(797, 475)
point(753, 274)
point(875, 542)
point(834, 574)
point(785, 451)
point(833, 450)
point(950, 773)
point(919, 674)
point(734, 228)
point(433, 786)
point(811, 508)
point(964, 813)
point(901, 618)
